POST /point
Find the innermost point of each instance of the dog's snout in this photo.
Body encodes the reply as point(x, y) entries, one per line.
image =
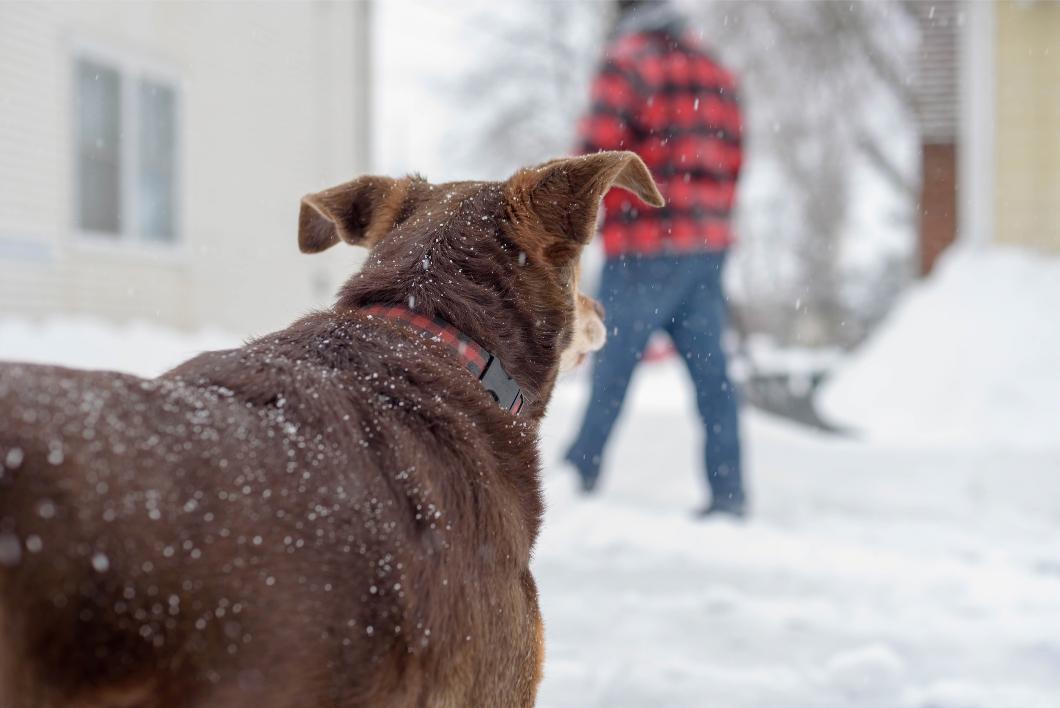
point(598, 309)
point(597, 336)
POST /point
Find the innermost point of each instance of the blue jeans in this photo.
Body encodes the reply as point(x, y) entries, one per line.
point(681, 294)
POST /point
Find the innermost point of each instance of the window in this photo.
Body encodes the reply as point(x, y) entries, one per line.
point(126, 138)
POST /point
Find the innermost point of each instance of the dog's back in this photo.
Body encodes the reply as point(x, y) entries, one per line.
point(255, 517)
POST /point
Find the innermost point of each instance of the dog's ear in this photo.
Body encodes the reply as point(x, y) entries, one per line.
point(359, 212)
point(565, 194)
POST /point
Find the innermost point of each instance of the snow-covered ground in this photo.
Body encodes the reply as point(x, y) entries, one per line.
point(870, 574)
point(138, 348)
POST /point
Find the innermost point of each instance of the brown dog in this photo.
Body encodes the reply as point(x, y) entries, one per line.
point(337, 514)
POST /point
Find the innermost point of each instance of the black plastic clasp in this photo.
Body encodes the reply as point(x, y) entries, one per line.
point(500, 385)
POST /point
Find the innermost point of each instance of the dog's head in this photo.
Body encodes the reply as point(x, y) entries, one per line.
point(499, 260)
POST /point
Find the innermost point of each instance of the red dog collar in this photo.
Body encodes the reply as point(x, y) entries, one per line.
point(484, 366)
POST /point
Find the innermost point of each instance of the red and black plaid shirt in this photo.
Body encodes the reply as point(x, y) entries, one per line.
point(667, 100)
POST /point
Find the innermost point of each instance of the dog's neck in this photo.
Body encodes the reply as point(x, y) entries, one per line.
point(477, 283)
point(487, 368)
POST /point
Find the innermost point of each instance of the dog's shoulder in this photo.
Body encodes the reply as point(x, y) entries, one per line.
point(264, 366)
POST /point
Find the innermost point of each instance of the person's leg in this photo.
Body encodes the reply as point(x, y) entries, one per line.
point(696, 330)
point(623, 293)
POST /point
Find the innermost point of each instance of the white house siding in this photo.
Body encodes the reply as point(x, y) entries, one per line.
point(268, 110)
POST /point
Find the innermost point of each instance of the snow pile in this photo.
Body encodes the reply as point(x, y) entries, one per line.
point(139, 348)
point(971, 356)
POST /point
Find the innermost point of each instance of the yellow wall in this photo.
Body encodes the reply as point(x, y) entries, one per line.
point(1027, 206)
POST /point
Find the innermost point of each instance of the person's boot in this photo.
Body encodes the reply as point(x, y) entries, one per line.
point(587, 485)
point(587, 477)
point(716, 510)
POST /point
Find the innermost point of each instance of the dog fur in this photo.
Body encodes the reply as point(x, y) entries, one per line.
point(335, 514)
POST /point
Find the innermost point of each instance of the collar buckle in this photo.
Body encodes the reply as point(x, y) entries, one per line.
point(501, 386)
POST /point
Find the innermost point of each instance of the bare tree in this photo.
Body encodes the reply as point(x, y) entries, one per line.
point(524, 95)
point(814, 75)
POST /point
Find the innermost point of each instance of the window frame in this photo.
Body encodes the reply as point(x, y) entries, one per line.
point(131, 68)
